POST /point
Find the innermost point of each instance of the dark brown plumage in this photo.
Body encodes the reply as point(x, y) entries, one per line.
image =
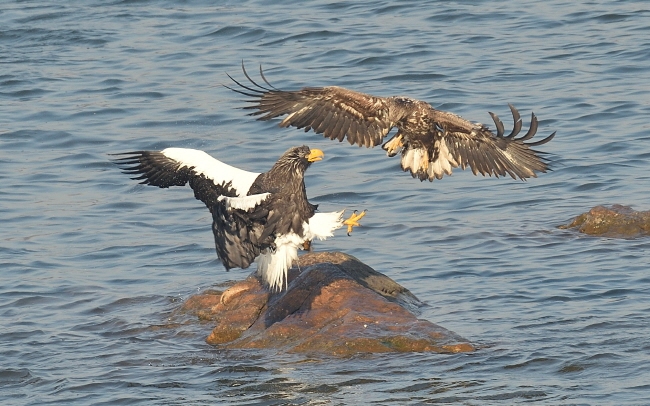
point(432, 142)
point(262, 217)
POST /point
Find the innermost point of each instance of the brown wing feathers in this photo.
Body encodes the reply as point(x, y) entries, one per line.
point(489, 153)
point(365, 120)
point(332, 111)
point(156, 169)
point(519, 149)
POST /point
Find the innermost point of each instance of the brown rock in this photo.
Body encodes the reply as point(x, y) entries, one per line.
point(616, 221)
point(335, 305)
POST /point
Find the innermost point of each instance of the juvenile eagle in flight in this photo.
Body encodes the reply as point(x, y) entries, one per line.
point(432, 142)
point(262, 217)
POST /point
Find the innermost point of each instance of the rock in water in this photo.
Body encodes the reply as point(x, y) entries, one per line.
point(616, 221)
point(335, 305)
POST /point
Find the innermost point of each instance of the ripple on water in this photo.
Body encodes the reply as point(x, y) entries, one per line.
point(94, 266)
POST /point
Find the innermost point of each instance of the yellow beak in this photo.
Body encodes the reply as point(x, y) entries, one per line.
point(315, 155)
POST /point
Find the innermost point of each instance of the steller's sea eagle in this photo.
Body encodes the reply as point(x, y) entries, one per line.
point(432, 142)
point(262, 217)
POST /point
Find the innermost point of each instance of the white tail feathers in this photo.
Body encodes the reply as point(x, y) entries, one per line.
point(272, 265)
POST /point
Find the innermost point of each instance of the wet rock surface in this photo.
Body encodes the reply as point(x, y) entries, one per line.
point(335, 305)
point(616, 221)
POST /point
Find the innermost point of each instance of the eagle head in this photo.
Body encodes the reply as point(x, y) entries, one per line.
point(298, 159)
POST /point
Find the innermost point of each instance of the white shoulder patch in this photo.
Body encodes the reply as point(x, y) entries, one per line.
point(212, 168)
point(244, 203)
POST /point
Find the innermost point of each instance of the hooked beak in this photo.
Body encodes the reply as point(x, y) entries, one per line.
point(315, 155)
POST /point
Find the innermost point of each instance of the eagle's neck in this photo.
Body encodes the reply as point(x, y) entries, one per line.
point(284, 177)
point(286, 182)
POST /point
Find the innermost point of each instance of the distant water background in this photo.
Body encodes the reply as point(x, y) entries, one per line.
point(93, 266)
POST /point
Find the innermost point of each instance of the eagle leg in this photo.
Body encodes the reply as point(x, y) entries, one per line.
point(393, 145)
point(353, 221)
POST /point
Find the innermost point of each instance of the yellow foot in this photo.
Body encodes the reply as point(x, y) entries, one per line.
point(393, 146)
point(306, 246)
point(353, 221)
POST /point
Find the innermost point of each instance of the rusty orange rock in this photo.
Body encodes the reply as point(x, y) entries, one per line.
point(616, 221)
point(335, 305)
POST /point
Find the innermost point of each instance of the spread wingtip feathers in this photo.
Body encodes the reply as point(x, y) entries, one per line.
point(432, 142)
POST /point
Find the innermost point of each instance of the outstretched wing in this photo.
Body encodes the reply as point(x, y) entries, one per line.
point(432, 142)
point(209, 178)
point(240, 223)
point(333, 111)
point(460, 143)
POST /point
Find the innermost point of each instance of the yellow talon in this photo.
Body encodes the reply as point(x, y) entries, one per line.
point(394, 145)
point(353, 221)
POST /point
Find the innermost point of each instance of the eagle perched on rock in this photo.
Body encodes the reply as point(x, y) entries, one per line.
point(263, 217)
point(432, 142)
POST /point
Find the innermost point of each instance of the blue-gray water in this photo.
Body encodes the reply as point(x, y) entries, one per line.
point(93, 266)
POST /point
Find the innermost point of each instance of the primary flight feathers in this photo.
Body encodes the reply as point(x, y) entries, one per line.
point(263, 217)
point(432, 142)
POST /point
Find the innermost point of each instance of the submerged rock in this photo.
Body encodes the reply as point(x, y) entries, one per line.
point(616, 221)
point(335, 304)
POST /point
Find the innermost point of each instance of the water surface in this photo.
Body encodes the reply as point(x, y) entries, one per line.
point(93, 265)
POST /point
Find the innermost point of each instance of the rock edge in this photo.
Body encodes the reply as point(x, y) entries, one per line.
point(335, 305)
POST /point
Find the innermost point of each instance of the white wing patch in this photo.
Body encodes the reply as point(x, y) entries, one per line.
point(244, 203)
point(212, 168)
